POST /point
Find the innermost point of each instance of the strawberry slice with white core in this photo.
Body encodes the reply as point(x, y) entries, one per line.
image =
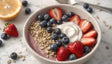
point(91, 33)
point(88, 41)
point(56, 13)
point(85, 25)
point(75, 19)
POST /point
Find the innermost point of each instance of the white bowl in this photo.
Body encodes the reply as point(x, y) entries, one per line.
point(66, 8)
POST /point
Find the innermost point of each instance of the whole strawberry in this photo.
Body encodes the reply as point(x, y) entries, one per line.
point(76, 48)
point(11, 30)
point(62, 54)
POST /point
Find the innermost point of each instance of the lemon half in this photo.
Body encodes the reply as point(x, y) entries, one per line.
point(9, 9)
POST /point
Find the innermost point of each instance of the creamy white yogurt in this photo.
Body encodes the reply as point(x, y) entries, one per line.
point(72, 31)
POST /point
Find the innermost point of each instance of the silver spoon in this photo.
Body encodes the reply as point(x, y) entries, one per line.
point(73, 2)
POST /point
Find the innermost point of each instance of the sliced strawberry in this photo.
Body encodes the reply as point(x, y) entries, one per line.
point(85, 25)
point(11, 30)
point(88, 41)
point(62, 54)
point(56, 13)
point(76, 48)
point(75, 19)
point(91, 33)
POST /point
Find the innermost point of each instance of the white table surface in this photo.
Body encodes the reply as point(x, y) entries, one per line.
point(102, 55)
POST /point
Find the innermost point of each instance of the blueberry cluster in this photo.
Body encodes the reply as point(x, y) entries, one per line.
point(47, 22)
point(86, 6)
point(25, 4)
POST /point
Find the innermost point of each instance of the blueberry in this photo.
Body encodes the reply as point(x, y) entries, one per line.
point(49, 24)
point(43, 23)
point(27, 10)
point(65, 40)
point(47, 17)
point(25, 3)
point(54, 47)
point(65, 18)
point(4, 36)
point(57, 31)
point(1, 43)
point(40, 17)
point(59, 43)
point(59, 22)
point(86, 5)
point(87, 49)
point(62, 35)
point(90, 10)
point(13, 56)
point(49, 29)
point(54, 36)
point(70, 14)
point(52, 21)
point(72, 57)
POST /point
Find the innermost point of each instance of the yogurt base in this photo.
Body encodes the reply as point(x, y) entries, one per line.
point(72, 30)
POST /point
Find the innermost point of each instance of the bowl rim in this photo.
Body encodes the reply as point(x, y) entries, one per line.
point(43, 58)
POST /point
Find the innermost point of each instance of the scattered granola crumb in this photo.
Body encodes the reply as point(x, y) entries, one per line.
point(23, 58)
point(105, 24)
point(103, 32)
point(9, 61)
point(109, 27)
point(20, 56)
point(97, 17)
point(13, 61)
point(99, 10)
point(107, 47)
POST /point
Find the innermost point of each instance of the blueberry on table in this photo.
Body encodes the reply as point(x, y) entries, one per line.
point(86, 5)
point(90, 10)
point(87, 49)
point(54, 36)
point(70, 14)
point(52, 21)
point(59, 22)
point(13, 56)
point(40, 17)
point(47, 17)
point(1, 43)
point(59, 43)
point(57, 31)
point(53, 47)
point(65, 18)
point(65, 40)
point(25, 3)
point(43, 23)
point(49, 29)
point(4, 36)
point(27, 10)
point(62, 35)
point(72, 57)
point(49, 24)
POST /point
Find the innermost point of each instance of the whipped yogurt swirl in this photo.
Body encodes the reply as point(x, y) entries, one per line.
point(72, 31)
